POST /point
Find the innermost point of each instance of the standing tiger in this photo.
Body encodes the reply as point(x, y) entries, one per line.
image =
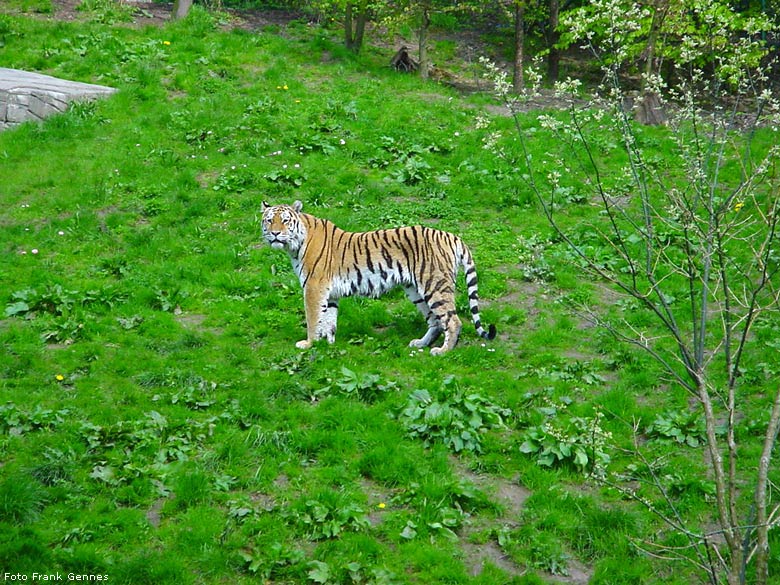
point(332, 263)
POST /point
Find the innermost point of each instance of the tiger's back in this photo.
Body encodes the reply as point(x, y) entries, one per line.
point(332, 263)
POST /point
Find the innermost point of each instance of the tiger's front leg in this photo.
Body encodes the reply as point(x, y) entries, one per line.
point(321, 314)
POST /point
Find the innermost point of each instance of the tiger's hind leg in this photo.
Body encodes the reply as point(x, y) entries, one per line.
point(442, 305)
point(434, 329)
point(452, 327)
point(327, 326)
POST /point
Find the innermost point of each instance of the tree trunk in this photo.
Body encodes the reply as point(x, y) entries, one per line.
point(354, 27)
point(181, 8)
point(349, 39)
point(425, 23)
point(554, 55)
point(650, 110)
point(762, 518)
point(518, 81)
point(724, 490)
point(360, 29)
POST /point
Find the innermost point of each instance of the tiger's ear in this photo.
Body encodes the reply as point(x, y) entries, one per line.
point(297, 206)
point(265, 206)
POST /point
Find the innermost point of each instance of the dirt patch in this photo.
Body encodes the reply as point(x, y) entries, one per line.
point(154, 513)
point(158, 13)
point(67, 10)
point(260, 19)
point(194, 322)
point(150, 13)
point(191, 320)
point(146, 13)
point(540, 100)
point(479, 556)
point(263, 501)
point(524, 295)
point(377, 497)
point(579, 574)
point(510, 497)
point(509, 494)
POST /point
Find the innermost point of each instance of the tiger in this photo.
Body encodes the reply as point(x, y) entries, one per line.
point(332, 263)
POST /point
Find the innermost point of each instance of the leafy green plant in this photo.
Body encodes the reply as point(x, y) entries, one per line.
point(64, 330)
point(168, 300)
point(143, 447)
point(441, 508)
point(686, 428)
point(274, 561)
point(452, 417)
point(328, 515)
point(413, 170)
point(579, 441)
point(585, 372)
point(237, 179)
point(190, 390)
point(286, 175)
point(15, 421)
point(351, 572)
point(365, 387)
point(59, 301)
point(532, 258)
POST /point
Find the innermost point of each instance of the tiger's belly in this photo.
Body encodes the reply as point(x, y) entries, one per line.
point(367, 283)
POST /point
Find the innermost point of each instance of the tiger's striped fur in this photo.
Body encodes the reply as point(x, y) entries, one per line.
point(332, 263)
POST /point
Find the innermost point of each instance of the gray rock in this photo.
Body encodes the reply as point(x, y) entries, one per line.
point(33, 96)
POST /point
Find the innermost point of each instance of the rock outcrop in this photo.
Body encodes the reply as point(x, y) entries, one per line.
point(32, 96)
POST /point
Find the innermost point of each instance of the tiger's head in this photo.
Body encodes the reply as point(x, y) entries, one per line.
point(282, 226)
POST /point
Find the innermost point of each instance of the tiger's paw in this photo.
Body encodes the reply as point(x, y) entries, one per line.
point(438, 350)
point(417, 343)
point(303, 344)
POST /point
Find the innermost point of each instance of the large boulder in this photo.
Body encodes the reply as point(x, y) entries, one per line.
point(32, 96)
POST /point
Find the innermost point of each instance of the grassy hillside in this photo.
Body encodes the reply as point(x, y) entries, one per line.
point(157, 424)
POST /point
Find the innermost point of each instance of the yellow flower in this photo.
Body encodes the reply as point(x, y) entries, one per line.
point(59, 377)
point(381, 505)
point(166, 43)
point(739, 205)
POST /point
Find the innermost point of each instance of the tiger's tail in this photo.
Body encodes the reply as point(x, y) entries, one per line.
point(470, 269)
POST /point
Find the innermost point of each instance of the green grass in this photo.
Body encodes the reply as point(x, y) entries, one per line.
point(157, 423)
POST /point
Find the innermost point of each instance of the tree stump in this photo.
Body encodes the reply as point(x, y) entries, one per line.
point(401, 61)
point(650, 111)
